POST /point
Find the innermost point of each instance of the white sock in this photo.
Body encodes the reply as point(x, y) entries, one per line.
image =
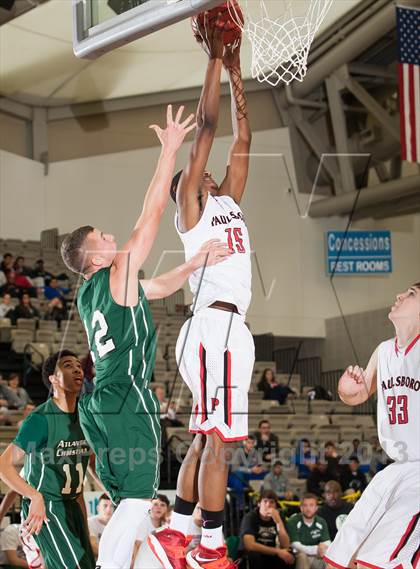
point(212, 538)
point(180, 522)
point(120, 533)
point(194, 528)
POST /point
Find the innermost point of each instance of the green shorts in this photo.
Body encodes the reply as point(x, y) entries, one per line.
point(121, 423)
point(64, 541)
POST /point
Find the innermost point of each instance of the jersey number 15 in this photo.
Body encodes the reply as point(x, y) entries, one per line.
point(238, 237)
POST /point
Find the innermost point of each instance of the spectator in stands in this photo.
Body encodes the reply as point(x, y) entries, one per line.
point(305, 458)
point(40, 276)
point(246, 465)
point(3, 279)
point(155, 520)
point(97, 523)
point(273, 391)
point(20, 268)
point(309, 534)
point(318, 478)
point(17, 397)
point(260, 531)
point(356, 444)
point(275, 480)
point(25, 309)
point(6, 306)
point(379, 458)
point(54, 291)
point(55, 311)
point(4, 405)
point(24, 284)
point(332, 458)
point(10, 287)
point(267, 442)
point(335, 510)
point(319, 393)
point(167, 414)
point(11, 548)
point(352, 478)
point(26, 411)
point(7, 262)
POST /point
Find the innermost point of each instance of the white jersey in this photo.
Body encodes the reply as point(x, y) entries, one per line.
point(398, 383)
point(229, 281)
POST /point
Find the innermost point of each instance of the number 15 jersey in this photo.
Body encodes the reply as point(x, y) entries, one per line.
point(398, 385)
point(229, 281)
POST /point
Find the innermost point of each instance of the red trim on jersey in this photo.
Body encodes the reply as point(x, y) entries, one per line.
point(416, 559)
point(412, 344)
point(405, 537)
point(409, 347)
point(372, 566)
point(203, 382)
point(227, 381)
point(333, 563)
point(216, 430)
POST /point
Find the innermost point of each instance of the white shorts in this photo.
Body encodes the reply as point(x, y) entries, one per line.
point(215, 354)
point(383, 529)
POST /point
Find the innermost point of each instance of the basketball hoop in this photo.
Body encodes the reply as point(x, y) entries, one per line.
point(280, 46)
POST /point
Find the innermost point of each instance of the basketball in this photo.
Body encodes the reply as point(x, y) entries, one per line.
point(229, 16)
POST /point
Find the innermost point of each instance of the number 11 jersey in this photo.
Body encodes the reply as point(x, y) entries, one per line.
point(229, 281)
point(398, 382)
point(56, 452)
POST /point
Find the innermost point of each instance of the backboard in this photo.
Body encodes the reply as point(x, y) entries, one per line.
point(102, 25)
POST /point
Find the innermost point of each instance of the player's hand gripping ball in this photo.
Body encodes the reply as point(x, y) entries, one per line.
point(224, 16)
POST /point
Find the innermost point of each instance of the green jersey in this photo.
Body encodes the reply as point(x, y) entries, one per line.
point(57, 453)
point(314, 534)
point(122, 339)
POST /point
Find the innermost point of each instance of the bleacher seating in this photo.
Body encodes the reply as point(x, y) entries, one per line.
point(318, 421)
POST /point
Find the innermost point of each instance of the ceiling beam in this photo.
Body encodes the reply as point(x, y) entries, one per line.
point(349, 48)
point(15, 109)
point(141, 101)
point(371, 196)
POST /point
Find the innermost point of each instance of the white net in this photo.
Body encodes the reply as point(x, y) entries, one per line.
point(280, 46)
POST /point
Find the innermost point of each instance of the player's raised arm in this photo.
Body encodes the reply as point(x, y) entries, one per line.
point(130, 258)
point(357, 385)
point(189, 206)
point(238, 164)
point(211, 253)
point(12, 456)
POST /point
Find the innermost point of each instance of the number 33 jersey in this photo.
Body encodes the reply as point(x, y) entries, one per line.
point(398, 385)
point(230, 280)
point(122, 339)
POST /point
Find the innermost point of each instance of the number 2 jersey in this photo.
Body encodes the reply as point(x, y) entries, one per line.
point(56, 452)
point(230, 280)
point(122, 339)
point(398, 383)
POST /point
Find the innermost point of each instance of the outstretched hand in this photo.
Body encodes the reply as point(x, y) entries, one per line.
point(211, 253)
point(175, 132)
